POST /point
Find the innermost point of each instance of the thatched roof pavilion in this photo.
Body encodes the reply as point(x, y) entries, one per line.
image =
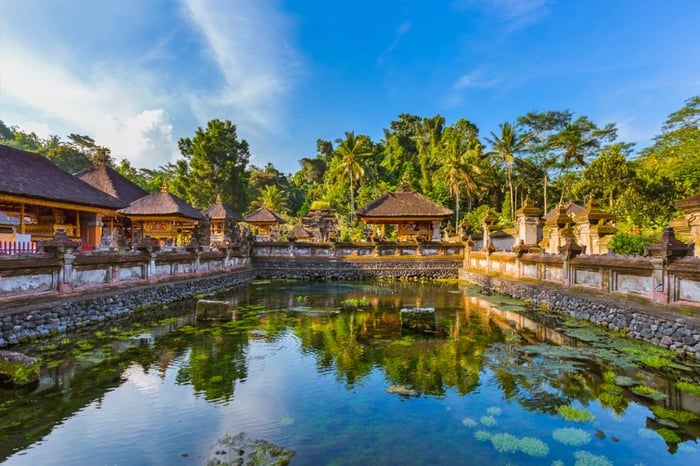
point(108, 180)
point(222, 220)
point(265, 223)
point(32, 187)
point(163, 216)
point(416, 216)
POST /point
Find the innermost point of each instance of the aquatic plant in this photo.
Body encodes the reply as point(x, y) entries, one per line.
point(681, 417)
point(488, 421)
point(572, 436)
point(482, 435)
point(505, 443)
point(668, 435)
point(586, 458)
point(84, 345)
point(571, 413)
point(613, 400)
point(354, 302)
point(494, 411)
point(286, 421)
point(216, 379)
point(469, 422)
point(532, 446)
point(688, 387)
point(65, 341)
point(241, 450)
point(648, 392)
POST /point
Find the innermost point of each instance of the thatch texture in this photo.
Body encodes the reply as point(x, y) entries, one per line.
point(403, 204)
point(109, 181)
point(25, 174)
point(162, 204)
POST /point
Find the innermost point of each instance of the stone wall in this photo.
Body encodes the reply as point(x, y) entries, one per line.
point(58, 316)
point(639, 319)
point(303, 268)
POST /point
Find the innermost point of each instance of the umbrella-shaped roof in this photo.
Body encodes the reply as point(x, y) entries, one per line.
point(264, 216)
point(33, 176)
point(108, 180)
point(403, 205)
point(162, 204)
point(219, 211)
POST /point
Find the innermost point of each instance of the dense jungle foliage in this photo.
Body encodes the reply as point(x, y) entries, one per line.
point(552, 157)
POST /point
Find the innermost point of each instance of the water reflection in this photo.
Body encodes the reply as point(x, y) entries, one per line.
point(430, 341)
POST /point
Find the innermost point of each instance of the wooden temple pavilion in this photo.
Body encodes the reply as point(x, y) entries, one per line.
point(417, 218)
point(45, 200)
point(108, 180)
point(264, 224)
point(222, 218)
point(162, 216)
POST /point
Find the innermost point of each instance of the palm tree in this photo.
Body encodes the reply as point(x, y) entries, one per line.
point(578, 141)
point(351, 151)
point(505, 146)
point(459, 151)
point(272, 198)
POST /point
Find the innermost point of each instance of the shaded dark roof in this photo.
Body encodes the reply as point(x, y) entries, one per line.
point(108, 180)
point(162, 204)
point(264, 215)
point(220, 211)
point(571, 209)
point(31, 175)
point(299, 232)
point(403, 204)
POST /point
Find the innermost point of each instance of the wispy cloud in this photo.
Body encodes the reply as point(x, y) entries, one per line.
point(119, 108)
point(476, 79)
point(517, 14)
point(250, 44)
point(403, 29)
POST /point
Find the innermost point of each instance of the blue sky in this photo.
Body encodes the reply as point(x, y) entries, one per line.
point(137, 75)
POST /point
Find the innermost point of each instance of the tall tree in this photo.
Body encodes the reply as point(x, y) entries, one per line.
point(675, 153)
point(351, 151)
point(459, 152)
point(542, 126)
point(506, 145)
point(217, 162)
point(579, 141)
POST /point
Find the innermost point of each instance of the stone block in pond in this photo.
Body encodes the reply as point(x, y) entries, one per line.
point(18, 369)
point(215, 310)
point(419, 319)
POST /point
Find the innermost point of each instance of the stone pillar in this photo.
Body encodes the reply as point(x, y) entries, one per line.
point(436, 231)
point(488, 226)
point(529, 224)
point(64, 249)
point(595, 228)
point(663, 252)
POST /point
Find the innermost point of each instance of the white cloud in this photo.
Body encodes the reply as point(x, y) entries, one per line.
point(474, 79)
point(403, 29)
point(249, 42)
point(108, 104)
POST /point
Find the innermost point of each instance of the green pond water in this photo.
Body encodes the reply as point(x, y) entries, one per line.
point(357, 373)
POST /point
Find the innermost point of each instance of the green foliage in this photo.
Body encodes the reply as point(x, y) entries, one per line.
point(627, 244)
point(217, 160)
point(681, 417)
point(571, 413)
point(668, 435)
point(688, 387)
point(355, 302)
